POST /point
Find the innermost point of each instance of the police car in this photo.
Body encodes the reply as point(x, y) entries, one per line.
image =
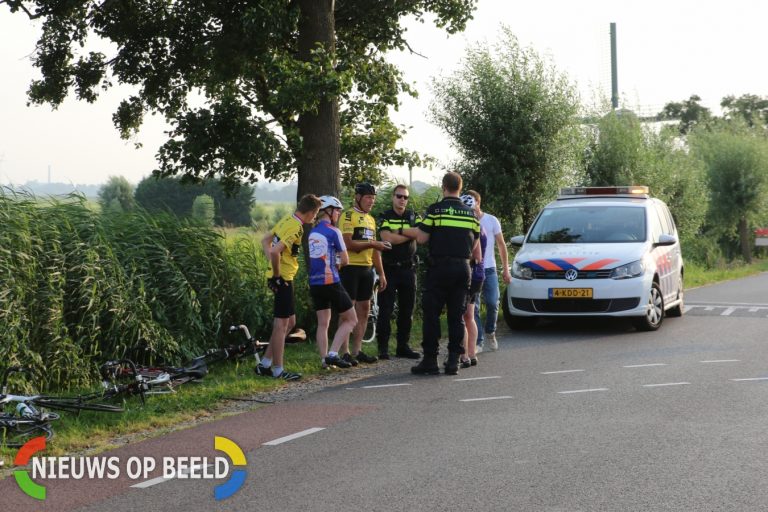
point(598, 251)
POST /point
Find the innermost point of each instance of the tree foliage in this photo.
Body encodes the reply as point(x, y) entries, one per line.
point(512, 117)
point(624, 151)
point(750, 108)
point(174, 195)
point(116, 195)
point(236, 80)
point(690, 112)
point(203, 210)
point(736, 160)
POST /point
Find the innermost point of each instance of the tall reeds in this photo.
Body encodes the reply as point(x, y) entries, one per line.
point(78, 287)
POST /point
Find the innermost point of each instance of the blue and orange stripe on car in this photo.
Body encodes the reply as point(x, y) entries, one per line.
point(557, 264)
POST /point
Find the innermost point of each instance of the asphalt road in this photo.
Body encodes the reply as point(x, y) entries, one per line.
point(586, 415)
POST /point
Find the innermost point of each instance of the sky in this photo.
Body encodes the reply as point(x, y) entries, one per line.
point(667, 51)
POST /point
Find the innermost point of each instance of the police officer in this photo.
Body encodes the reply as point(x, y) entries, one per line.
point(400, 268)
point(452, 233)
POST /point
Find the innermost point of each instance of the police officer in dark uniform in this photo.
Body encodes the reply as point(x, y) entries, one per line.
point(400, 268)
point(452, 233)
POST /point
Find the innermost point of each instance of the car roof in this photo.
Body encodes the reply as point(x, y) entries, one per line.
point(571, 201)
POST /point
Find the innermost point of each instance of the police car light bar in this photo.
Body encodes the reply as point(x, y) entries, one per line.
point(604, 191)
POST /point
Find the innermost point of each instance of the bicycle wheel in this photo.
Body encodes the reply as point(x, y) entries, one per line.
point(370, 327)
point(14, 436)
point(74, 404)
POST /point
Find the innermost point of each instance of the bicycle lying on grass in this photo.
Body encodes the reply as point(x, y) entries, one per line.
point(24, 421)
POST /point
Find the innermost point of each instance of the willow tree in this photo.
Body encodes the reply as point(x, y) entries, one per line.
point(512, 117)
point(250, 88)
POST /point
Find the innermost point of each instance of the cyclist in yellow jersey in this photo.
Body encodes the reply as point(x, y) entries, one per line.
point(281, 246)
point(358, 228)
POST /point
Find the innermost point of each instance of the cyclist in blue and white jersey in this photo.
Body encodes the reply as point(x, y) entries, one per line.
point(327, 252)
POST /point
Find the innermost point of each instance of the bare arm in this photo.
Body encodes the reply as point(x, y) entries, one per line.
point(502, 245)
point(343, 259)
point(274, 258)
point(380, 270)
point(362, 245)
point(477, 252)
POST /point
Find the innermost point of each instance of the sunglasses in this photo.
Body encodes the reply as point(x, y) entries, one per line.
point(401, 196)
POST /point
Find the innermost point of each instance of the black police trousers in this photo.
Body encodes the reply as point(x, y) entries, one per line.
point(446, 284)
point(401, 285)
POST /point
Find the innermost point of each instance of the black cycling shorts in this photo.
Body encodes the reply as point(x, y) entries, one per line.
point(358, 281)
point(285, 306)
point(474, 291)
point(329, 296)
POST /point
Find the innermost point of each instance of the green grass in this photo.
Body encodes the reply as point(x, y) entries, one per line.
point(696, 275)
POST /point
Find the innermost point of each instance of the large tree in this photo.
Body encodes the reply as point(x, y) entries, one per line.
point(736, 159)
point(250, 88)
point(689, 112)
point(512, 117)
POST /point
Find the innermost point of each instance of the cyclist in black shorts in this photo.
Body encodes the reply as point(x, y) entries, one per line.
point(281, 246)
point(327, 253)
point(359, 230)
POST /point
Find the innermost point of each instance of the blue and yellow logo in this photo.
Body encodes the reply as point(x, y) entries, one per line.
point(237, 478)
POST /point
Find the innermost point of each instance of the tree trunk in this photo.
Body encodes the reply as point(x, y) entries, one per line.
point(318, 164)
point(746, 240)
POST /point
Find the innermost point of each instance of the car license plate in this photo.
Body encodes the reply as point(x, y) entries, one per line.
point(570, 293)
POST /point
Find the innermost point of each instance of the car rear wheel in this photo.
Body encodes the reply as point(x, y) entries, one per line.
point(678, 310)
point(516, 323)
point(654, 314)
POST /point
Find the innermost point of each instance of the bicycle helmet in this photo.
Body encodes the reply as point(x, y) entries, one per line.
point(330, 202)
point(468, 201)
point(365, 189)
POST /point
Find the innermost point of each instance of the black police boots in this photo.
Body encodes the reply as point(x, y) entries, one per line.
point(427, 366)
point(452, 364)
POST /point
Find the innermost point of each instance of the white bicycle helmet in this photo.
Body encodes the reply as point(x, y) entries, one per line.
point(468, 201)
point(330, 202)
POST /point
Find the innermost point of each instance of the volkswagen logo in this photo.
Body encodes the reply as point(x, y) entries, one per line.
point(571, 274)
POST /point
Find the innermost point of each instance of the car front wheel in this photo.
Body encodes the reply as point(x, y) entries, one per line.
point(516, 323)
point(654, 313)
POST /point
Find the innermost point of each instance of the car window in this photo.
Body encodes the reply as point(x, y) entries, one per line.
point(666, 223)
point(589, 224)
point(656, 226)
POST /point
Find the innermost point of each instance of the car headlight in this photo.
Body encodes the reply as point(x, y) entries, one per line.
point(521, 272)
point(630, 270)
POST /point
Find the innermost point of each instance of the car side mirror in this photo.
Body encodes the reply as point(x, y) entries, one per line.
point(665, 240)
point(517, 241)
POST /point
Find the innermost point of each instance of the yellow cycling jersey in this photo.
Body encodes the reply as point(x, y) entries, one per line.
point(289, 231)
point(362, 227)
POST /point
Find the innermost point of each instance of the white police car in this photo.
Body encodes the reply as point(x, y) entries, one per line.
point(598, 251)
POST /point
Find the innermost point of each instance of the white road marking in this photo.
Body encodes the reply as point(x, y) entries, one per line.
point(386, 385)
point(728, 312)
point(160, 479)
point(150, 483)
point(486, 398)
point(644, 365)
point(723, 304)
point(753, 378)
point(581, 391)
point(281, 440)
point(665, 384)
point(478, 378)
point(709, 308)
point(561, 371)
point(688, 308)
point(753, 310)
point(721, 361)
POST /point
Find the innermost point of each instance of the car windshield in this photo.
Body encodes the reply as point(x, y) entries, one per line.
point(594, 224)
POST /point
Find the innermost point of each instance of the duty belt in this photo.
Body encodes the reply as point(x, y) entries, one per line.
point(399, 264)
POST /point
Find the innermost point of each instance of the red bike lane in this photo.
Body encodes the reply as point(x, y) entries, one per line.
point(248, 430)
